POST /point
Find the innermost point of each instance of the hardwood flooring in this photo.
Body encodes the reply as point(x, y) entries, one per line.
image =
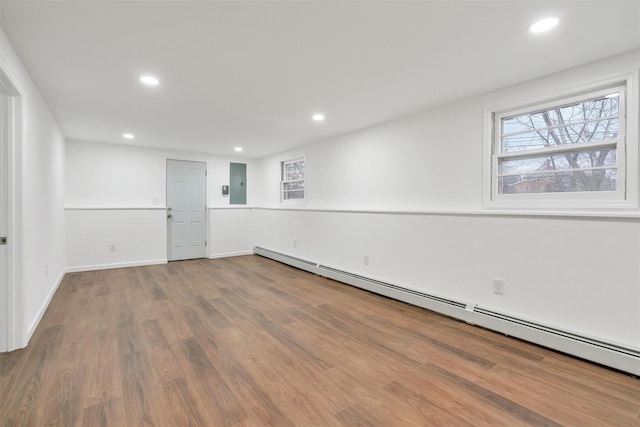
point(247, 341)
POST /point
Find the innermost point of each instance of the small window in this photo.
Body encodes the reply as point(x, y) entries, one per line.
point(293, 179)
point(568, 150)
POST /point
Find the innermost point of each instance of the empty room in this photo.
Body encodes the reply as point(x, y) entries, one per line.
point(319, 213)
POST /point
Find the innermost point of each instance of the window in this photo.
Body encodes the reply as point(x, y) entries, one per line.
point(293, 178)
point(570, 151)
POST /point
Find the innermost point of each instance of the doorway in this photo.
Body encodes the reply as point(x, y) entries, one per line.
point(186, 210)
point(5, 119)
point(11, 302)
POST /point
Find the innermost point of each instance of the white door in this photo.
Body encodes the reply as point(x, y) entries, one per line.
point(5, 117)
point(186, 209)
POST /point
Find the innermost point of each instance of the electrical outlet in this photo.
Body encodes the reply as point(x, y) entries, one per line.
point(112, 247)
point(498, 286)
point(366, 260)
point(295, 243)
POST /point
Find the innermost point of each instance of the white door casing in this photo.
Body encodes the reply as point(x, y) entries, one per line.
point(5, 118)
point(186, 210)
point(12, 331)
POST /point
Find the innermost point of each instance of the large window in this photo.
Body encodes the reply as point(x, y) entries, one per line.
point(570, 150)
point(293, 179)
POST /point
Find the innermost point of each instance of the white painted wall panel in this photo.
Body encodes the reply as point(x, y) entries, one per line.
point(138, 235)
point(231, 232)
point(109, 175)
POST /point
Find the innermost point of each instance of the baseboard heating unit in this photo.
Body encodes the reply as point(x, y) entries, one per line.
point(615, 356)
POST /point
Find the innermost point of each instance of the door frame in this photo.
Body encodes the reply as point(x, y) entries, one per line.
point(12, 333)
point(206, 207)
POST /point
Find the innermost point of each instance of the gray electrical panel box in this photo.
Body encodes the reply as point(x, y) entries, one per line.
point(238, 184)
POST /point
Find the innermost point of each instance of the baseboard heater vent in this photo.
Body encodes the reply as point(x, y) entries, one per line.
point(612, 355)
point(616, 356)
point(300, 263)
point(330, 272)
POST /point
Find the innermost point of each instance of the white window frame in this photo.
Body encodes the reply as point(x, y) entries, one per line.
point(625, 196)
point(293, 202)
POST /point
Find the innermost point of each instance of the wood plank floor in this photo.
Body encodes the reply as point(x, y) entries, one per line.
point(247, 341)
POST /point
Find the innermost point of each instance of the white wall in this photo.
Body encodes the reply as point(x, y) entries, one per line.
point(232, 231)
point(576, 273)
point(115, 194)
point(38, 205)
point(139, 236)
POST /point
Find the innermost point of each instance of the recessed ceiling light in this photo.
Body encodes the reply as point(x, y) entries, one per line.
point(238, 148)
point(543, 25)
point(318, 117)
point(149, 80)
point(128, 136)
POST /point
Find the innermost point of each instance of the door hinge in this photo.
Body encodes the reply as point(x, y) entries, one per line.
point(205, 243)
point(3, 240)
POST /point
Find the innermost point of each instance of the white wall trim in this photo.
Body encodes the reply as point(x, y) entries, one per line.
point(95, 267)
point(226, 208)
point(627, 216)
point(230, 254)
point(115, 208)
point(42, 310)
point(14, 327)
point(115, 265)
point(9, 79)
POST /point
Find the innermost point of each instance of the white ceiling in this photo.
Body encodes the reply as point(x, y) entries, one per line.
point(251, 73)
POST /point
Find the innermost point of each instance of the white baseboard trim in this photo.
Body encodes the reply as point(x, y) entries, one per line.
point(230, 254)
point(116, 265)
point(43, 308)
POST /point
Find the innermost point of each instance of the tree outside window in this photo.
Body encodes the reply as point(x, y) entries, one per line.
point(569, 147)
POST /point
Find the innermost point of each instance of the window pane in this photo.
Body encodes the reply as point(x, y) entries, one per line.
point(586, 110)
point(293, 195)
point(558, 182)
point(293, 171)
point(579, 160)
point(591, 120)
point(296, 185)
point(602, 130)
point(293, 178)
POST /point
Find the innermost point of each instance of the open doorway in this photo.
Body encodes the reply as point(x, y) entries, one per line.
point(5, 117)
point(10, 302)
point(7, 303)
